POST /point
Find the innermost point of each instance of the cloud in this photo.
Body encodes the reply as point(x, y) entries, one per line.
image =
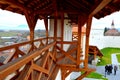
point(10, 20)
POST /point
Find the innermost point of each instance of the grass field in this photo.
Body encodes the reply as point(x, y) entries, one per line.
point(106, 59)
point(8, 34)
point(118, 57)
point(96, 76)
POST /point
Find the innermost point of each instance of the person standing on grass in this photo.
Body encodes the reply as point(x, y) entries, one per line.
point(115, 69)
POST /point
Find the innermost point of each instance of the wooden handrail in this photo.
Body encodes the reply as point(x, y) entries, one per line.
point(41, 60)
point(67, 42)
point(19, 44)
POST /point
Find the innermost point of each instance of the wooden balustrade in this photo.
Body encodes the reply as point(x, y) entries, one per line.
point(14, 51)
point(70, 53)
point(31, 66)
point(41, 61)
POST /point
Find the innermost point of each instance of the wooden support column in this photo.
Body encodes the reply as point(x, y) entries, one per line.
point(46, 27)
point(55, 26)
point(88, 28)
point(62, 29)
point(79, 39)
point(95, 53)
point(55, 33)
point(63, 74)
point(31, 20)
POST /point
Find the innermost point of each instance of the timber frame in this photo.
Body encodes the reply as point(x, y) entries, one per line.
point(42, 61)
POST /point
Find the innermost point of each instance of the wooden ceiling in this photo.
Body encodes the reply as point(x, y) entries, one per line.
point(73, 8)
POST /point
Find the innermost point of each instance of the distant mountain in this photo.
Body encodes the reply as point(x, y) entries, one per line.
point(23, 27)
point(19, 27)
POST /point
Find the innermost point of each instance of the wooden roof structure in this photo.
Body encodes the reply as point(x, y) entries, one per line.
point(73, 8)
point(40, 62)
point(95, 51)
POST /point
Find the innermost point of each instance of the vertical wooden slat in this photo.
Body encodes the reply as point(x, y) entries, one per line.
point(88, 28)
point(46, 27)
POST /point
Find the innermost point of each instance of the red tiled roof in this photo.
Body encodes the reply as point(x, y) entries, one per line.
point(75, 29)
point(112, 32)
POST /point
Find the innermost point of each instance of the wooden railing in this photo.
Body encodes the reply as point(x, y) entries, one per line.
point(14, 51)
point(70, 53)
point(40, 60)
point(37, 64)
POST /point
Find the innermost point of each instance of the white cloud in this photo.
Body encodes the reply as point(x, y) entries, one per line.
point(10, 20)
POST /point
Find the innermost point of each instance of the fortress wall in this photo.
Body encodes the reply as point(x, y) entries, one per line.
point(97, 38)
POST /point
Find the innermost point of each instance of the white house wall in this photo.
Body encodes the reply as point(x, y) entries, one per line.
point(51, 30)
point(67, 37)
point(67, 31)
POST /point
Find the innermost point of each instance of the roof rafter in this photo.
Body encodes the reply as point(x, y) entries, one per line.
point(14, 3)
point(100, 6)
point(75, 4)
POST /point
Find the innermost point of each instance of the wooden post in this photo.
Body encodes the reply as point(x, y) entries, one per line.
point(46, 27)
point(88, 28)
point(63, 73)
point(95, 53)
point(31, 20)
point(62, 29)
point(79, 40)
point(55, 33)
point(55, 26)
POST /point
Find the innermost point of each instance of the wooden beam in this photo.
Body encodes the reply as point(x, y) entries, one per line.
point(100, 6)
point(73, 68)
point(69, 52)
point(79, 39)
point(67, 42)
point(46, 27)
point(88, 28)
point(75, 3)
point(25, 73)
point(53, 74)
point(16, 4)
point(62, 29)
point(31, 20)
point(66, 54)
point(63, 74)
point(40, 69)
point(55, 26)
point(11, 67)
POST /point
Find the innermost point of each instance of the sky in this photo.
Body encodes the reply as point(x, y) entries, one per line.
point(10, 20)
point(107, 21)
point(13, 21)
